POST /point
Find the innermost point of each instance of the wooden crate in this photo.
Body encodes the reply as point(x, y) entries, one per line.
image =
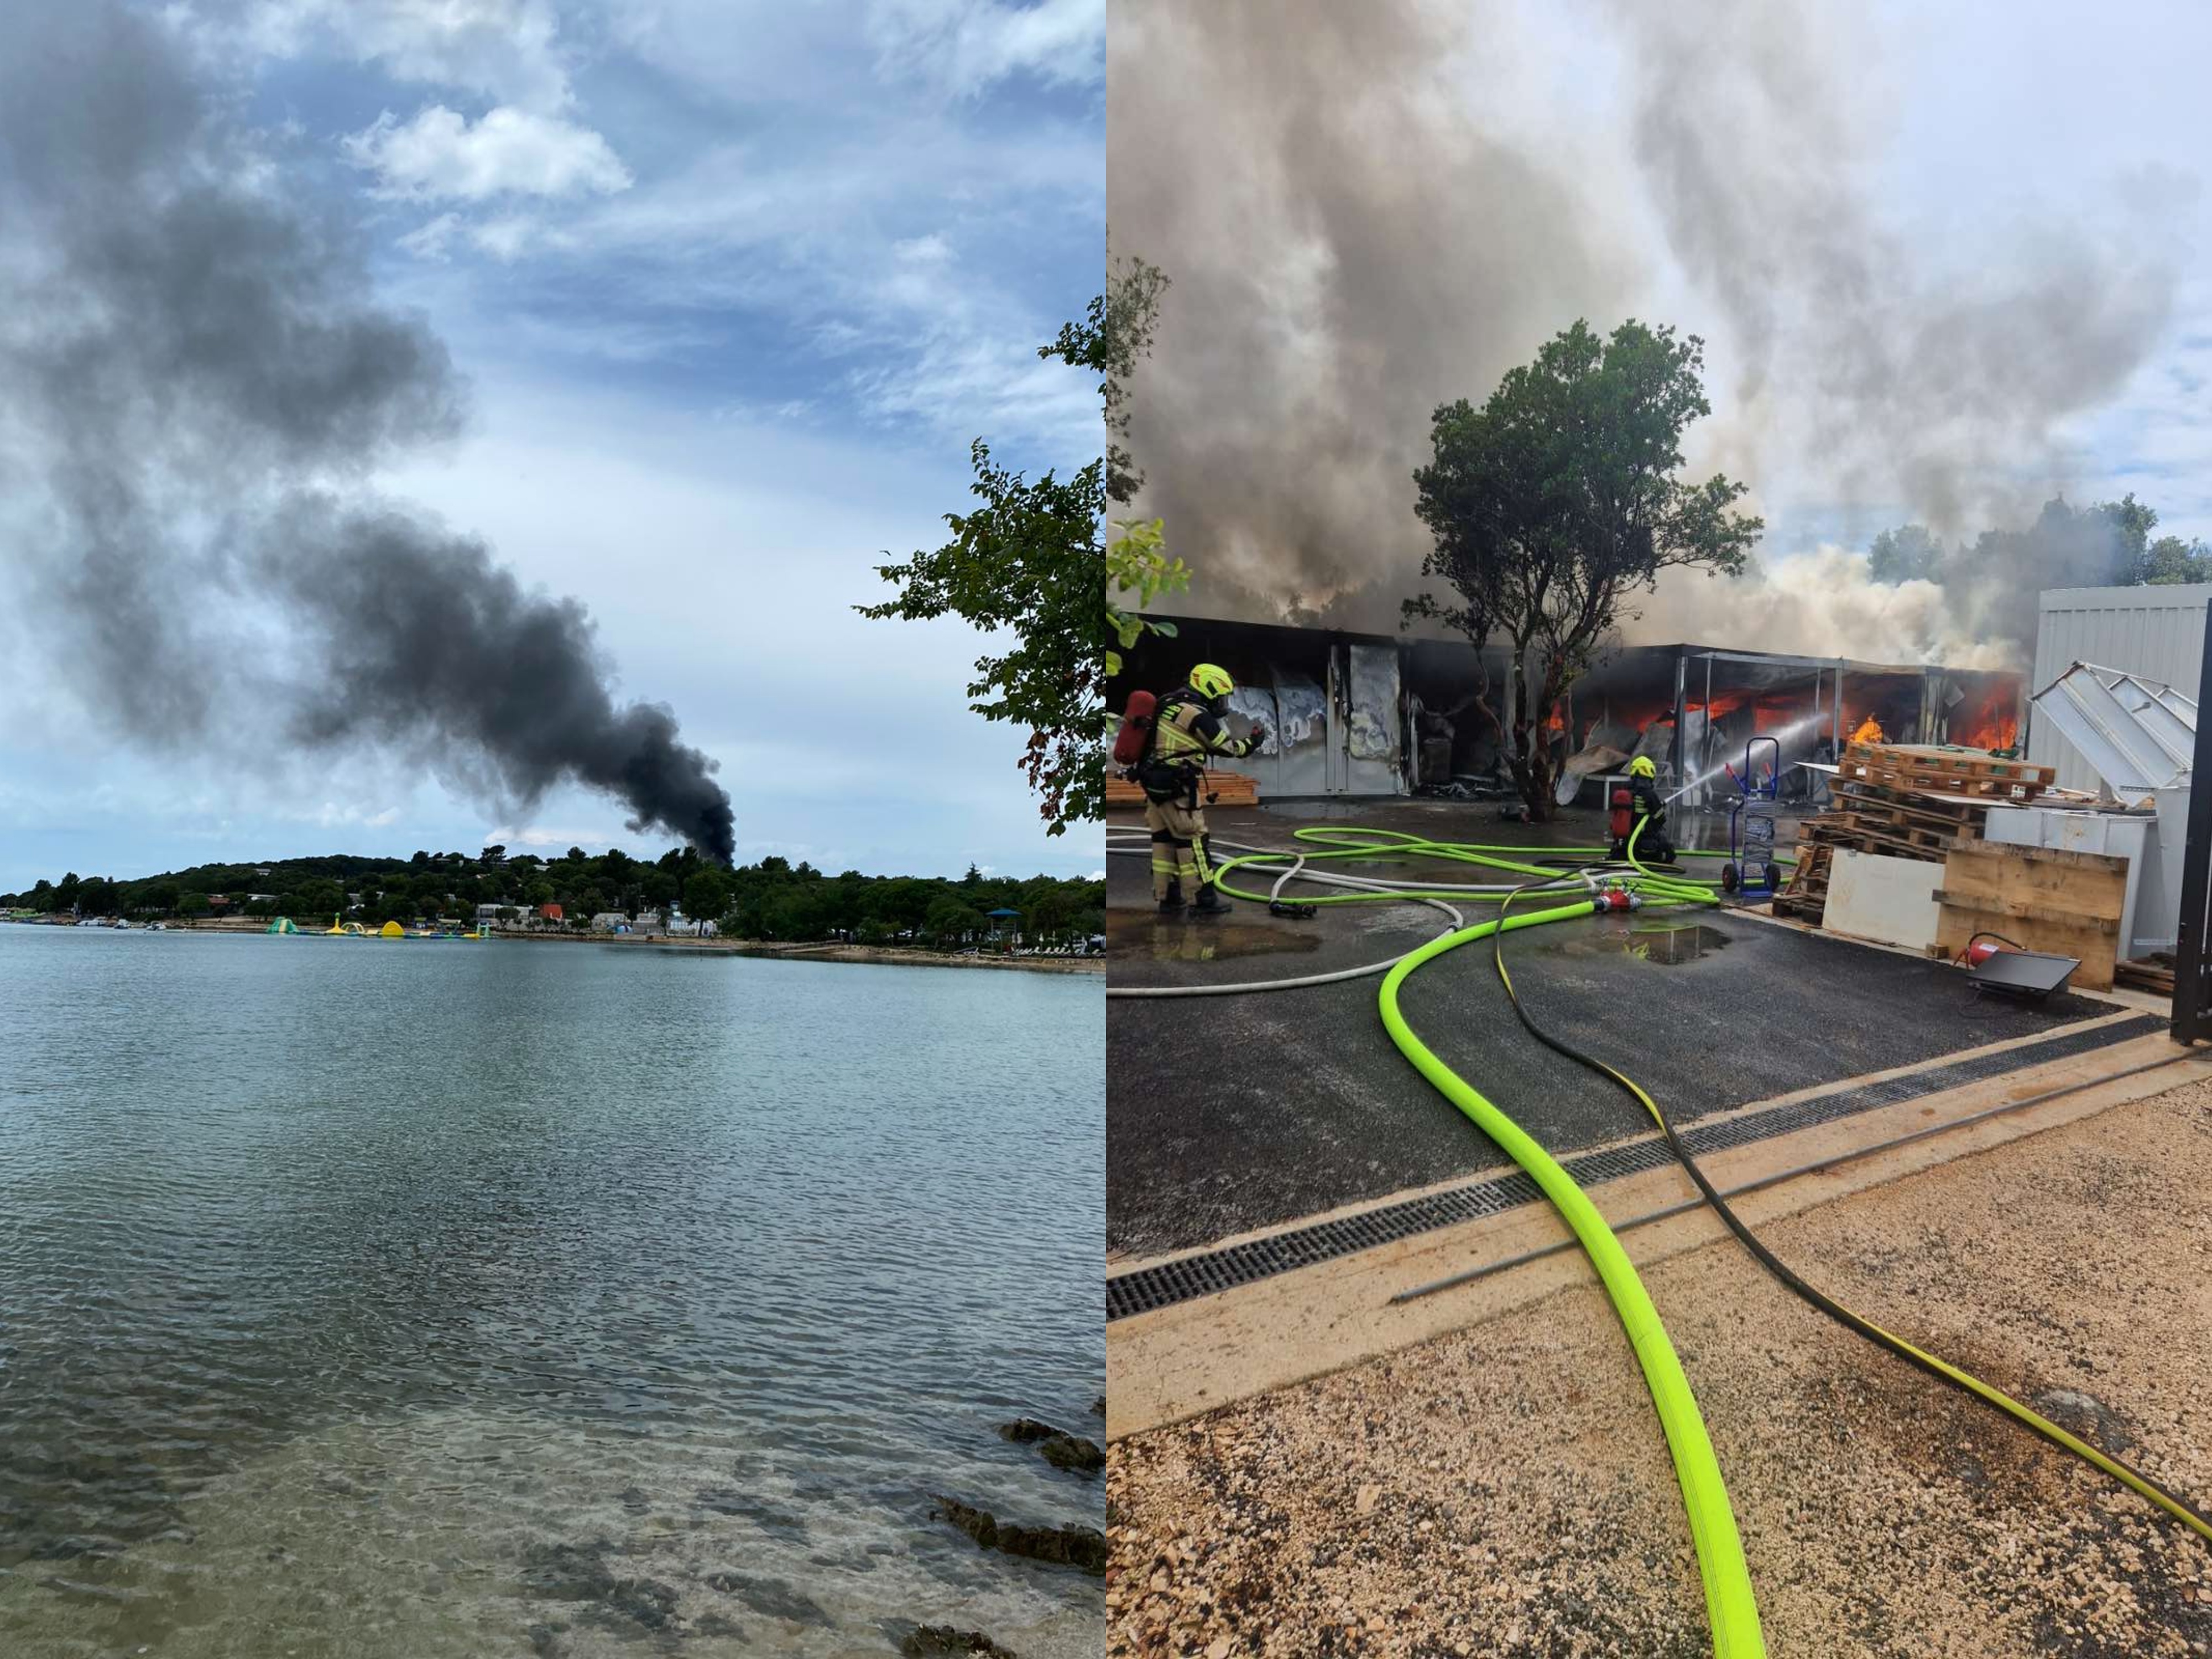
point(2041, 898)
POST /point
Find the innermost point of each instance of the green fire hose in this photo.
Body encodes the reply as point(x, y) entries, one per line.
point(1729, 1605)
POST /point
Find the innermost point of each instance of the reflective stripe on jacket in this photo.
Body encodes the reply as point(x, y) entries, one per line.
point(1185, 732)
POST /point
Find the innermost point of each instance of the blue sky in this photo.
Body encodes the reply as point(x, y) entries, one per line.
point(733, 286)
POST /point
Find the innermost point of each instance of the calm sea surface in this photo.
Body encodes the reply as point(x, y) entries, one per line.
point(411, 1298)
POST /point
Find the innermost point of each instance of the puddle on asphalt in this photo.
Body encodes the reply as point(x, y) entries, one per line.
point(1669, 947)
point(1665, 945)
point(1184, 939)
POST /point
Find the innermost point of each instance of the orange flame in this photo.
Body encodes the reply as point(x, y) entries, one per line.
point(2001, 733)
point(1869, 731)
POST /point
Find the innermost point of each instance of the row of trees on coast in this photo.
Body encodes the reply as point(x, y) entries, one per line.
point(773, 899)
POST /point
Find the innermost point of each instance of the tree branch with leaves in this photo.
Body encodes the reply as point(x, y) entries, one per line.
point(1555, 502)
point(1030, 560)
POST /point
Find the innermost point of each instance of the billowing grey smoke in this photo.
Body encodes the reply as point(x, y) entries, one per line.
point(1348, 249)
point(195, 383)
point(1362, 218)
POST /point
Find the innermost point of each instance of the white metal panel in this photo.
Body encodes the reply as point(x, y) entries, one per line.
point(1889, 900)
point(2155, 632)
point(2137, 735)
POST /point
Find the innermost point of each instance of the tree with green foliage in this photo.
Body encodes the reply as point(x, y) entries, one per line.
point(192, 905)
point(2169, 559)
point(1030, 560)
point(707, 894)
point(1906, 554)
point(1555, 502)
point(949, 922)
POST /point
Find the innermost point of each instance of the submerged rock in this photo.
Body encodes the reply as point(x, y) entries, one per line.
point(578, 1572)
point(1098, 1407)
point(943, 1642)
point(746, 1506)
point(771, 1596)
point(1057, 1447)
point(1082, 1547)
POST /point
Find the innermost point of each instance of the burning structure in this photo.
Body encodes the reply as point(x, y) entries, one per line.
point(1352, 714)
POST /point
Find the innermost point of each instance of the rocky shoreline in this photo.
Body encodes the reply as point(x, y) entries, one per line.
point(875, 953)
point(887, 955)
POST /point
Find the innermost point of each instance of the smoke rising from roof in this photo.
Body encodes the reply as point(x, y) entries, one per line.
point(1359, 225)
point(196, 382)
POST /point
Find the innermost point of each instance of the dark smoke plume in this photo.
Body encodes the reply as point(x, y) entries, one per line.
point(1359, 226)
point(196, 382)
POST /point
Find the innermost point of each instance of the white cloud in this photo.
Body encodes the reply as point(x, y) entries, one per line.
point(429, 242)
point(930, 250)
point(503, 49)
point(963, 46)
point(439, 156)
point(505, 238)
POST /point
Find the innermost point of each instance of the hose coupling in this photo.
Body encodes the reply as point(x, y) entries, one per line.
point(1292, 909)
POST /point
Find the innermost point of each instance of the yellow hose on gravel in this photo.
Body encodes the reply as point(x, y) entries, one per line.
point(1730, 1606)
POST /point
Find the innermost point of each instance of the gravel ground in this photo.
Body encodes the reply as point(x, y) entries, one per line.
point(1505, 1490)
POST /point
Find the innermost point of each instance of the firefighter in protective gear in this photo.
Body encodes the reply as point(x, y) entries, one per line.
point(1186, 731)
point(1652, 846)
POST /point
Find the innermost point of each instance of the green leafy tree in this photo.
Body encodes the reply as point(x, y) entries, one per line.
point(1029, 560)
point(192, 905)
point(1553, 505)
point(707, 894)
point(1907, 553)
point(949, 922)
point(2169, 559)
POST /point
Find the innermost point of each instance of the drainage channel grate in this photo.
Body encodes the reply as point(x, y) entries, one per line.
point(1171, 1282)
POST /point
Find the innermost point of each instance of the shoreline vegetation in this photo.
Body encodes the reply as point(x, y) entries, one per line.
point(773, 906)
point(816, 950)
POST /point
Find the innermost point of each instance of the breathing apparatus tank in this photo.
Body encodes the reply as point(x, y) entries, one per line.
point(1135, 736)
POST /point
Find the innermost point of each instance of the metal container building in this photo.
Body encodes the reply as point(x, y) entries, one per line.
point(2156, 632)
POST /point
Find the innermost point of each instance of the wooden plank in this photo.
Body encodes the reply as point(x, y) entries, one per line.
point(2146, 976)
point(1227, 789)
point(2024, 910)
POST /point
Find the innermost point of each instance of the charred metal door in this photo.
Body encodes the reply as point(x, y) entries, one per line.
point(1373, 742)
point(2193, 965)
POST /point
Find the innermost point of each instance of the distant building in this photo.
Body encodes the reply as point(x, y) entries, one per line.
point(610, 921)
point(649, 919)
point(257, 898)
point(549, 912)
point(218, 900)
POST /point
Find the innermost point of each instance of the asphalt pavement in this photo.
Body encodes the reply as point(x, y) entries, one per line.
point(1228, 1114)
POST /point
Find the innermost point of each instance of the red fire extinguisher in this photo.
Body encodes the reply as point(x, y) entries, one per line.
point(1620, 813)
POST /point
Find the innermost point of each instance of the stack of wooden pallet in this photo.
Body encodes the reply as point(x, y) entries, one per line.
point(1905, 802)
point(1220, 789)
